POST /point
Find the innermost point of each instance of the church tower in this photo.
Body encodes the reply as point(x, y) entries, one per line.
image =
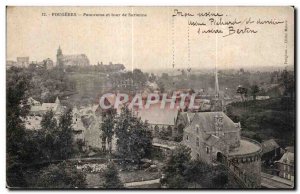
point(217, 101)
point(59, 57)
point(217, 92)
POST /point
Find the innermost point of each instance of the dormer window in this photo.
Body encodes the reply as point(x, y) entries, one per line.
point(197, 142)
point(197, 129)
point(207, 150)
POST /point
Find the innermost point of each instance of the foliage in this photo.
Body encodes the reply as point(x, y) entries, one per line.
point(220, 180)
point(61, 176)
point(266, 119)
point(175, 167)
point(16, 110)
point(134, 139)
point(53, 141)
point(108, 122)
point(96, 68)
point(242, 91)
point(288, 82)
point(111, 177)
point(66, 134)
point(47, 84)
point(48, 121)
point(254, 91)
point(196, 170)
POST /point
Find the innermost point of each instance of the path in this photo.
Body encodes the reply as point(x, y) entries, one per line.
point(142, 183)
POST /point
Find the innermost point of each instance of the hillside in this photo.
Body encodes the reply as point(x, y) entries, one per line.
point(261, 120)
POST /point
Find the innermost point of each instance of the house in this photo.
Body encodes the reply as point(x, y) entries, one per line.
point(33, 102)
point(38, 109)
point(286, 166)
point(159, 119)
point(290, 149)
point(216, 140)
point(209, 133)
point(270, 150)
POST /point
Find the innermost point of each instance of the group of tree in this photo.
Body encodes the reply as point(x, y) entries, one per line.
point(135, 79)
point(47, 84)
point(110, 68)
point(134, 139)
point(17, 84)
point(180, 171)
point(60, 176)
point(55, 139)
point(111, 177)
point(24, 147)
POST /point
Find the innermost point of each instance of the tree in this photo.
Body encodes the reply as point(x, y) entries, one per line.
point(175, 167)
point(220, 180)
point(107, 126)
point(111, 177)
point(48, 121)
point(134, 140)
point(66, 134)
point(17, 109)
point(61, 176)
point(196, 171)
point(242, 91)
point(254, 91)
point(288, 82)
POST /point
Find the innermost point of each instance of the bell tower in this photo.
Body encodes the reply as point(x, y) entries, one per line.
point(59, 56)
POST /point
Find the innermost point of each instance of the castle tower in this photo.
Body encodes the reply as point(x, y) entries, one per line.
point(59, 56)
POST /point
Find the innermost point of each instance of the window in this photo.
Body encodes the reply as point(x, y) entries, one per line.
point(207, 150)
point(187, 137)
point(284, 167)
point(197, 129)
point(198, 156)
point(197, 142)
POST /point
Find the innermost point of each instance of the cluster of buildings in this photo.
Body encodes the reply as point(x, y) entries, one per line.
point(277, 160)
point(86, 120)
point(66, 60)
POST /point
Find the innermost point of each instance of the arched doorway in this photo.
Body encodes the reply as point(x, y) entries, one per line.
point(220, 157)
point(180, 129)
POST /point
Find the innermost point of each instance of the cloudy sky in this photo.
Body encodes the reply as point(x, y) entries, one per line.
point(149, 42)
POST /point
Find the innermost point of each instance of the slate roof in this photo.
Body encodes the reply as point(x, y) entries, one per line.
point(156, 115)
point(287, 158)
point(206, 122)
point(269, 145)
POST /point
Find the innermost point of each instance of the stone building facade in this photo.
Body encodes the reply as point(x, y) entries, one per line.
point(215, 139)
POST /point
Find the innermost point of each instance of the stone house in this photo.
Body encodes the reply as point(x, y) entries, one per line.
point(286, 166)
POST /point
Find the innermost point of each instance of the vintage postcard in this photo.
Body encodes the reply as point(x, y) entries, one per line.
point(150, 97)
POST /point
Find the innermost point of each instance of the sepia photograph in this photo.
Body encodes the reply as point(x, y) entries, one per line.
point(150, 97)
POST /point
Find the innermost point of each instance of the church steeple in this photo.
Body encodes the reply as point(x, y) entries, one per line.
point(217, 101)
point(59, 56)
point(217, 92)
point(59, 51)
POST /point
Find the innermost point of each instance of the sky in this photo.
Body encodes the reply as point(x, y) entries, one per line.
point(154, 41)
